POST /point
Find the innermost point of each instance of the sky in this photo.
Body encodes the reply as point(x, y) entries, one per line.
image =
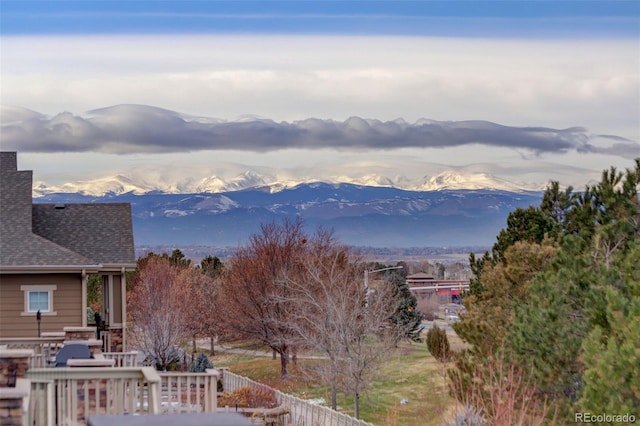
point(527, 91)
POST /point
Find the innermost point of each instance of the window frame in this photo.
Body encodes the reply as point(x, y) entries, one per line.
point(28, 289)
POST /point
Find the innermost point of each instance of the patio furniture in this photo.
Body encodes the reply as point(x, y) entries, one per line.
point(72, 351)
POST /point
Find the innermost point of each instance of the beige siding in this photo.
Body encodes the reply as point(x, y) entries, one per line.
point(67, 302)
point(116, 304)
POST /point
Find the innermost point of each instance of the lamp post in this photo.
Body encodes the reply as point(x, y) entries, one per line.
point(366, 277)
point(38, 318)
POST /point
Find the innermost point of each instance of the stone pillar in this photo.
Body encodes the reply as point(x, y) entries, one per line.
point(116, 339)
point(95, 346)
point(79, 333)
point(12, 406)
point(14, 364)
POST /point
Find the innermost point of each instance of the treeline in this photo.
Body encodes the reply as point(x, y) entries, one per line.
point(406, 253)
point(553, 313)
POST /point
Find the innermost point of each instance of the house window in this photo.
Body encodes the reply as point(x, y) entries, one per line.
point(38, 301)
point(38, 298)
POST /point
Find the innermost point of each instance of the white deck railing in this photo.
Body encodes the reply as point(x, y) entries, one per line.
point(41, 409)
point(44, 348)
point(67, 396)
point(184, 392)
point(123, 359)
point(105, 336)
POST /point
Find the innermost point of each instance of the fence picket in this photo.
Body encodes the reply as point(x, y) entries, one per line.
point(301, 413)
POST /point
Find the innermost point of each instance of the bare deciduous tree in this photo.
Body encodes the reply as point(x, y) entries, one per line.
point(200, 293)
point(156, 310)
point(332, 314)
point(253, 294)
point(292, 291)
point(169, 303)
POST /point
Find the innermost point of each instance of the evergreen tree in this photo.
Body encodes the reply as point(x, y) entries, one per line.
point(201, 364)
point(211, 266)
point(531, 224)
point(611, 352)
point(438, 343)
point(612, 382)
point(178, 259)
point(547, 331)
point(490, 313)
point(573, 320)
point(557, 203)
point(407, 317)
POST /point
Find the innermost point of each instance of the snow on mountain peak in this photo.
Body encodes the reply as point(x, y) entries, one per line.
point(367, 180)
point(210, 184)
point(245, 180)
point(451, 180)
point(120, 184)
point(115, 185)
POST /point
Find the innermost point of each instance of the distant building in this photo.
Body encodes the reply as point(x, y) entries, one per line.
point(47, 252)
point(424, 285)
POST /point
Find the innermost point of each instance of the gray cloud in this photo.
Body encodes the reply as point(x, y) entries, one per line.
point(127, 129)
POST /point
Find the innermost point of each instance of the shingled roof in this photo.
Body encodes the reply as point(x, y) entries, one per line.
point(76, 236)
point(97, 231)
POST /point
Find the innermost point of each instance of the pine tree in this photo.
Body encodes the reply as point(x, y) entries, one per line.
point(612, 350)
point(573, 320)
point(612, 382)
point(547, 331)
point(201, 364)
point(438, 343)
point(407, 317)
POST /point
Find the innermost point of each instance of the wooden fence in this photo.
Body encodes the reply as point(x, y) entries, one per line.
point(301, 412)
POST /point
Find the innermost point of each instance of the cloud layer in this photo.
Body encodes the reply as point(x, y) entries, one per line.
point(126, 129)
point(544, 82)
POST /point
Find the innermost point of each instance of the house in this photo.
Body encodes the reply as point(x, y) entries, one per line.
point(48, 251)
point(423, 285)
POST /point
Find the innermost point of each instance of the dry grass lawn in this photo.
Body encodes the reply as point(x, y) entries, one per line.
point(411, 375)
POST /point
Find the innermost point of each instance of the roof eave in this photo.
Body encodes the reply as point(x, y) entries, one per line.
point(57, 269)
point(118, 266)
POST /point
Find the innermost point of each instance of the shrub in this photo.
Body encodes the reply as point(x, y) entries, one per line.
point(246, 397)
point(176, 359)
point(502, 393)
point(438, 343)
point(201, 364)
point(469, 416)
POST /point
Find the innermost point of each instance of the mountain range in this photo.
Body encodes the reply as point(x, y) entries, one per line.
point(122, 184)
point(447, 210)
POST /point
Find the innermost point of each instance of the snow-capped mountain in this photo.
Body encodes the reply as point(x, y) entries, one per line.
point(114, 185)
point(369, 180)
point(452, 180)
point(211, 184)
point(248, 179)
point(120, 184)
